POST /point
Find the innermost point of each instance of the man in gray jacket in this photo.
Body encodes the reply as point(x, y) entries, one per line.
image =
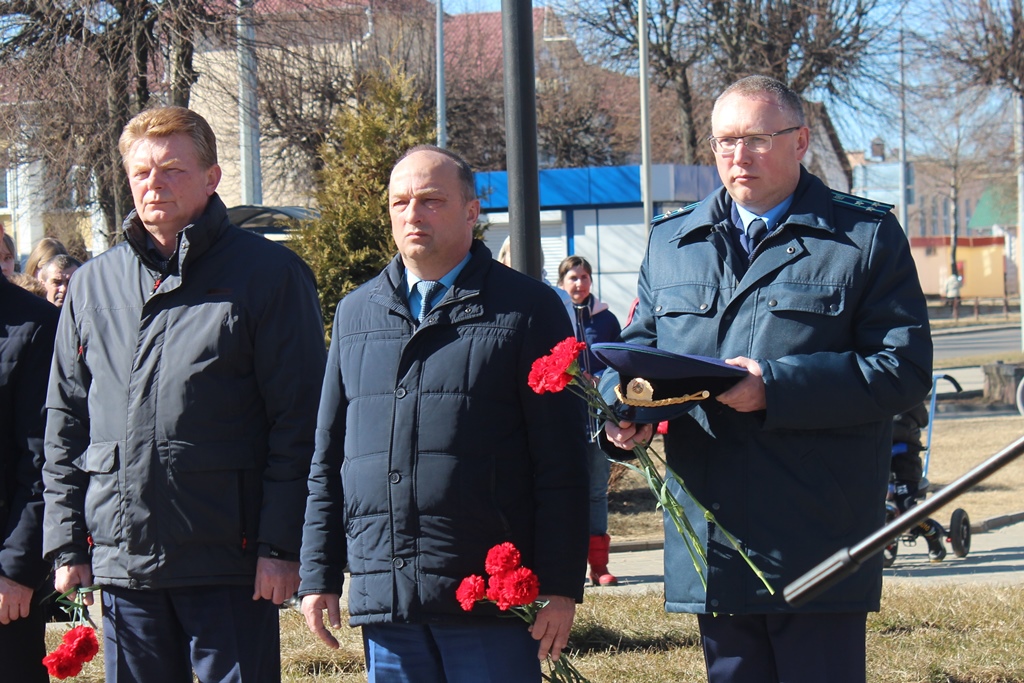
point(179, 432)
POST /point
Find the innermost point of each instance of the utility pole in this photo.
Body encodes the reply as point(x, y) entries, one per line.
point(1018, 147)
point(903, 140)
point(521, 136)
point(248, 108)
point(645, 118)
point(442, 103)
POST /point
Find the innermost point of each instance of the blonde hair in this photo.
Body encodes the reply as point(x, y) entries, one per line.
point(163, 122)
point(28, 283)
point(505, 253)
point(46, 249)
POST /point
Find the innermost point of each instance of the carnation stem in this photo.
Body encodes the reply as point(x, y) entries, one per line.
point(659, 487)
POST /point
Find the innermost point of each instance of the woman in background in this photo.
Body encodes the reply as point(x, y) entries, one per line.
point(595, 324)
point(8, 255)
point(46, 249)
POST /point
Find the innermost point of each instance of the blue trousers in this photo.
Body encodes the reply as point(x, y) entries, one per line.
point(494, 651)
point(784, 648)
point(160, 636)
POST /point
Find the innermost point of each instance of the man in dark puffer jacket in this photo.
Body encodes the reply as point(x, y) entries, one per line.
point(431, 448)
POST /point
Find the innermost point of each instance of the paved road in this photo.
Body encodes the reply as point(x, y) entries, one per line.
point(996, 558)
point(974, 341)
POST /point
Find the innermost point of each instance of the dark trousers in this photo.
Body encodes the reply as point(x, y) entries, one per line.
point(784, 648)
point(22, 645)
point(160, 636)
point(493, 651)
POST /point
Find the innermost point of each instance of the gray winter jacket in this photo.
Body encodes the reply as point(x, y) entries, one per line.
point(181, 409)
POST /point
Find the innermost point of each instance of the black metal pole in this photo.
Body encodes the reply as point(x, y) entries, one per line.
point(848, 560)
point(521, 136)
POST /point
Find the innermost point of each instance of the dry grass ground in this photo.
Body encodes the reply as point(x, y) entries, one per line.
point(960, 444)
point(951, 634)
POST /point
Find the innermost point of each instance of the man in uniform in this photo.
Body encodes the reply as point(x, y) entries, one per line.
point(815, 294)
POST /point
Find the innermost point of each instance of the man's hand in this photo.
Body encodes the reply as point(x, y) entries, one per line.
point(15, 600)
point(747, 395)
point(313, 607)
point(626, 435)
point(74, 575)
point(554, 621)
point(276, 580)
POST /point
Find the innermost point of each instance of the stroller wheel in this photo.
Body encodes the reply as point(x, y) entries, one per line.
point(960, 532)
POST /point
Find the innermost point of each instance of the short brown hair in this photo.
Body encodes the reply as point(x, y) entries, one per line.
point(784, 96)
point(162, 122)
point(570, 262)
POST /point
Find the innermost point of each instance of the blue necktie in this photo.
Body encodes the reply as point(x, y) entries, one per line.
point(427, 289)
point(755, 233)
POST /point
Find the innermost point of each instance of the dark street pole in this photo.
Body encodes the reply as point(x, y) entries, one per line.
point(521, 136)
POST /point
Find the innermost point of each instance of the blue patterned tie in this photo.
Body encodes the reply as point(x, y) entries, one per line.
point(427, 289)
point(755, 233)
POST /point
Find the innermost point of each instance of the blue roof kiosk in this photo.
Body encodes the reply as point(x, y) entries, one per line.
point(597, 213)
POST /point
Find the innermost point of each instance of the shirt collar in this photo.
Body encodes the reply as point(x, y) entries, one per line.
point(448, 280)
point(770, 217)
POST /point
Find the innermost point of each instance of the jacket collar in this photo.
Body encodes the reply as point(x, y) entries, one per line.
point(390, 289)
point(812, 207)
point(193, 239)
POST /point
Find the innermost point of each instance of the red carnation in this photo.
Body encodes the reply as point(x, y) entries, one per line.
point(502, 558)
point(81, 642)
point(514, 588)
point(469, 591)
point(553, 372)
point(61, 663)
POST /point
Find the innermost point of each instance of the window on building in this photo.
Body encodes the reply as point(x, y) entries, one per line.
point(3, 188)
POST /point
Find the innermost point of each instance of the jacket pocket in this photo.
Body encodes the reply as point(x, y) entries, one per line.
point(809, 316)
point(687, 299)
point(687, 312)
point(103, 494)
point(208, 500)
point(99, 458)
point(805, 297)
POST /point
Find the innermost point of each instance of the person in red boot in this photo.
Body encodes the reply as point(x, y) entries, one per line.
point(594, 324)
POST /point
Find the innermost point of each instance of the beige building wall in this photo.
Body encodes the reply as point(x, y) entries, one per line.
point(982, 260)
point(215, 98)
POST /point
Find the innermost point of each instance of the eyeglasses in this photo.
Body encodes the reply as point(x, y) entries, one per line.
point(759, 142)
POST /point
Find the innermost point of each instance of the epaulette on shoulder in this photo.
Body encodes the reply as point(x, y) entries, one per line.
point(657, 220)
point(869, 206)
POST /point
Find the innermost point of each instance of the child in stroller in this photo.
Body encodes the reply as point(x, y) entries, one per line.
point(907, 483)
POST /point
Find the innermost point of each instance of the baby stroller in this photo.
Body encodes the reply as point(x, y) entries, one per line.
point(909, 484)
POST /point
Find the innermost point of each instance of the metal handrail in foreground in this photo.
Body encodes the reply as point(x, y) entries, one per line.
point(848, 560)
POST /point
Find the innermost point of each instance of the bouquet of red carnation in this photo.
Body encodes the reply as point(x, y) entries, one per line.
point(560, 369)
point(513, 588)
point(79, 644)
